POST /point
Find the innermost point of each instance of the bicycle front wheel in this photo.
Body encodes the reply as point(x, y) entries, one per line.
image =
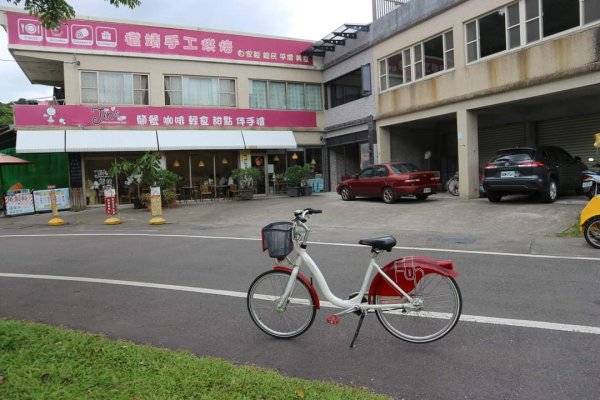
point(440, 305)
point(291, 319)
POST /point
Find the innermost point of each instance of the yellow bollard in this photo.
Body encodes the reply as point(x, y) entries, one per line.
point(56, 220)
point(156, 207)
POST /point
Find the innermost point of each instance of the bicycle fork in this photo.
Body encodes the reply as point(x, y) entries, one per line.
point(283, 301)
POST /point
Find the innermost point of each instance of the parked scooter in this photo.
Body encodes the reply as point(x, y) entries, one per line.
point(591, 182)
point(589, 222)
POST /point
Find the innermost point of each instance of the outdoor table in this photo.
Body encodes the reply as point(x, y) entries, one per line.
point(188, 193)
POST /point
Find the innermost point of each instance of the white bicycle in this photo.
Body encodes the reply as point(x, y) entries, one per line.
point(416, 299)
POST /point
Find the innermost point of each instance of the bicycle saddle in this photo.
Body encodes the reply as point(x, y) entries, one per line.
point(386, 243)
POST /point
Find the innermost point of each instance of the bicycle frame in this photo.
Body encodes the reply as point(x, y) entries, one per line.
point(352, 304)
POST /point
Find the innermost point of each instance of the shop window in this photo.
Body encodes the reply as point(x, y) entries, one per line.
point(199, 91)
point(422, 59)
point(486, 35)
point(277, 95)
point(434, 55)
point(349, 87)
point(492, 34)
point(502, 29)
point(591, 11)
point(114, 88)
point(284, 95)
point(559, 16)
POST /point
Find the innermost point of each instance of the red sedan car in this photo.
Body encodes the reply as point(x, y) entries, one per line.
point(390, 181)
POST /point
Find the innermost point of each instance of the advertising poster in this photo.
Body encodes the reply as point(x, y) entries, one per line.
point(19, 204)
point(44, 203)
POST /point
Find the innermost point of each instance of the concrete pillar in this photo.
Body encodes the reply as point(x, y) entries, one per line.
point(384, 150)
point(468, 154)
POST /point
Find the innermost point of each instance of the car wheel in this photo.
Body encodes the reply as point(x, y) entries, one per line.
point(345, 193)
point(551, 193)
point(494, 197)
point(422, 196)
point(388, 195)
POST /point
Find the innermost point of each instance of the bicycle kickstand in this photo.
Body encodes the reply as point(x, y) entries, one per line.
point(363, 314)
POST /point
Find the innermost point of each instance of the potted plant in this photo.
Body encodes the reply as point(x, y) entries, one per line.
point(170, 196)
point(295, 177)
point(245, 178)
point(146, 172)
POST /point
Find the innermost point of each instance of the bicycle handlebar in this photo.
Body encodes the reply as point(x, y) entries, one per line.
point(300, 215)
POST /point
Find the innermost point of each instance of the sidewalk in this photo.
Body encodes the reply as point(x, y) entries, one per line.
point(441, 214)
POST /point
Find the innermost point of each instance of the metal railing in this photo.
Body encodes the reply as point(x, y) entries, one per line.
point(383, 7)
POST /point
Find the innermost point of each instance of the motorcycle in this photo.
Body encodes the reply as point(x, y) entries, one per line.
point(589, 222)
point(591, 182)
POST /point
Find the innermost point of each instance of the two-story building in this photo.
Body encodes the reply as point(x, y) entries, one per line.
point(441, 84)
point(208, 101)
point(452, 81)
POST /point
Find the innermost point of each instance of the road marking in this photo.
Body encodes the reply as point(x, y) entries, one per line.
point(478, 252)
point(465, 318)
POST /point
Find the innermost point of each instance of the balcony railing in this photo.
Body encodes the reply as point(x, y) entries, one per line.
point(383, 7)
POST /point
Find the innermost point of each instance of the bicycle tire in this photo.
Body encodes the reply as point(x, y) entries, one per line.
point(453, 186)
point(298, 314)
point(591, 232)
point(442, 306)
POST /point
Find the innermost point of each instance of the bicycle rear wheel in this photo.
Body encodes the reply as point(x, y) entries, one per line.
point(453, 186)
point(438, 315)
point(293, 319)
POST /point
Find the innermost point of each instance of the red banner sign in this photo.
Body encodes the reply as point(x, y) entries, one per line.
point(159, 117)
point(110, 202)
point(82, 35)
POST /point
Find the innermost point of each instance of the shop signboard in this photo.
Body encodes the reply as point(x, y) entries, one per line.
point(87, 36)
point(19, 203)
point(43, 201)
point(245, 159)
point(159, 117)
point(75, 174)
point(110, 201)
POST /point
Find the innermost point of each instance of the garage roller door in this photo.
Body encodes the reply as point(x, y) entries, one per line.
point(499, 137)
point(574, 134)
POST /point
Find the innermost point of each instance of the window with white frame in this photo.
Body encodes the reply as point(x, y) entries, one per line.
point(199, 91)
point(285, 95)
point(114, 88)
point(524, 22)
point(420, 60)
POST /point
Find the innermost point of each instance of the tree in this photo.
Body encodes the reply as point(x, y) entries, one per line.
point(6, 114)
point(53, 12)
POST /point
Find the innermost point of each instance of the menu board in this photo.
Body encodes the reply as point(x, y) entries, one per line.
point(42, 199)
point(19, 204)
point(75, 176)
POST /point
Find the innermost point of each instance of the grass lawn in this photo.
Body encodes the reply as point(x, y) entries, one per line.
point(42, 362)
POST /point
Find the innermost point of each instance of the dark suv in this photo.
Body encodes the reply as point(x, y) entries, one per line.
point(543, 170)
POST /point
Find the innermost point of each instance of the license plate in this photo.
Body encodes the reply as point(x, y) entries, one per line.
point(587, 184)
point(427, 190)
point(507, 174)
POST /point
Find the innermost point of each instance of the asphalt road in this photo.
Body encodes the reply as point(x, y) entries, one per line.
point(546, 286)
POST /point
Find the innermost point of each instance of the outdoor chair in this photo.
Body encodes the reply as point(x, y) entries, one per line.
point(205, 192)
point(233, 190)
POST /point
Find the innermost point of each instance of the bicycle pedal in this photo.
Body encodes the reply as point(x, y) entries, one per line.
point(333, 319)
